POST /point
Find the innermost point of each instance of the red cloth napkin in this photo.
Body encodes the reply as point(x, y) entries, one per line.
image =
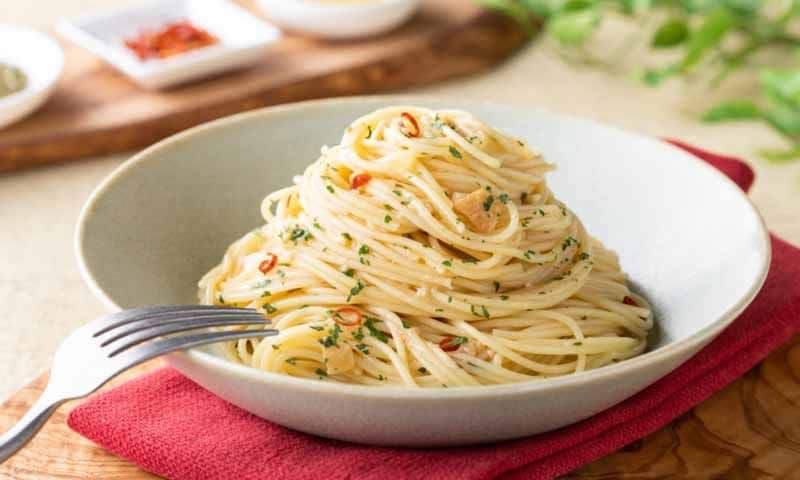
point(168, 425)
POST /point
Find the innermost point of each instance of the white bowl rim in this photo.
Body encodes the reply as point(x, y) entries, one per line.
point(29, 92)
point(209, 361)
point(345, 6)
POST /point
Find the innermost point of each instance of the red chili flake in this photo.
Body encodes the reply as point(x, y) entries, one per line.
point(338, 318)
point(359, 180)
point(172, 39)
point(411, 124)
point(448, 344)
point(266, 265)
point(629, 301)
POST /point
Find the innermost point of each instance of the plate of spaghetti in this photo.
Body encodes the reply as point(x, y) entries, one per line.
point(441, 272)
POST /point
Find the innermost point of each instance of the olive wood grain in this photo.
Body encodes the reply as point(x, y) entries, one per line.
point(749, 430)
point(96, 110)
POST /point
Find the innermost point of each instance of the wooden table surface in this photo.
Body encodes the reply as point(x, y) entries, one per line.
point(749, 430)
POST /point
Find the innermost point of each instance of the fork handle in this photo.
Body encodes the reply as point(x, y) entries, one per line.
point(28, 425)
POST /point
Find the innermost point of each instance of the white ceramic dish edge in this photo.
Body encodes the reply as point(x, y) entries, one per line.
point(340, 20)
point(43, 78)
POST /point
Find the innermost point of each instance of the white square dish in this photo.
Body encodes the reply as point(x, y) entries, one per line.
point(243, 39)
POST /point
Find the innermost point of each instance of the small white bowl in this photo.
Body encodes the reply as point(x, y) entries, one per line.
point(243, 39)
point(340, 19)
point(40, 58)
point(690, 239)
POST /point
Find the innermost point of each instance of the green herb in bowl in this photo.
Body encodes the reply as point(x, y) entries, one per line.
point(12, 79)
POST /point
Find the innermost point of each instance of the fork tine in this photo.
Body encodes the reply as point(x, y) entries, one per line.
point(155, 331)
point(210, 319)
point(118, 319)
point(144, 352)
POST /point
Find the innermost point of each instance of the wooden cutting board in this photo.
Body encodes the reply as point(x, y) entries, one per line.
point(96, 110)
point(749, 430)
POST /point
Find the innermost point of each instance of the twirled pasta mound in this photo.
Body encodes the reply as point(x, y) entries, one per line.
point(426, 250)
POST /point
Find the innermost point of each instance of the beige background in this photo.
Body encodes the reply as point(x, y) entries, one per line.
point(44, 298)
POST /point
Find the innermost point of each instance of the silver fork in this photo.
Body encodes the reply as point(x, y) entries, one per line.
point(98, 351)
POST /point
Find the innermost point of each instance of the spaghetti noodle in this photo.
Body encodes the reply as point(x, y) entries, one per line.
point(426, 250)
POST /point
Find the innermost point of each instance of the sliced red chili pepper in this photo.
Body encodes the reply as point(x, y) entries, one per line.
point(359, 180)
point(338, 318)
point(448, 344)
point(411, 124)
point(172, 39)
point(629, 301)
point(266, 265)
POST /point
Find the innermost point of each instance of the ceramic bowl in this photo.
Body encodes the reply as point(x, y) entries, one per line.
point(690, 240)
point(339, 19)
point(40, 58)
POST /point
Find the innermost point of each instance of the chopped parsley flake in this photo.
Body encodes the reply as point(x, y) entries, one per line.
point(333, 338)
point(270, 308)
point(397, 192)
point(349, 272)
point(455, 152)
point(568, 242)
point(447, 263)
point(504, 297)
point(369, 322)
point(266, 294)
point(329, 188)
point(503, 197)
point(362, 348)
point(387, 219)
point(359, 335)
point(363, 250)
point(316, 327)
point(457, 341)
point(405, 324)
point(297, 234)
point(578, 344)
point(321, 372)
point(355, 290)
point(422, 370)
point(346, 236)
point(487, 204)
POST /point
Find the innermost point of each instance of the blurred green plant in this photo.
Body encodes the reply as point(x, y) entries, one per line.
point(719, 35)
